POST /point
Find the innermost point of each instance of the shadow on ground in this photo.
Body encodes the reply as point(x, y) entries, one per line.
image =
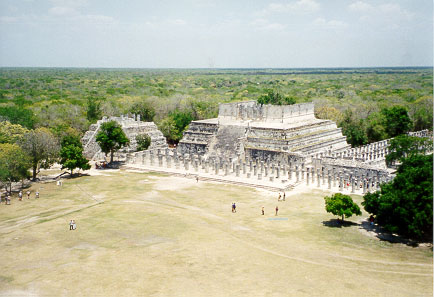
point(337, 223)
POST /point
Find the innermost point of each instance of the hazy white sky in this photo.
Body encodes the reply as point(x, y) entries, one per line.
point(212, 33)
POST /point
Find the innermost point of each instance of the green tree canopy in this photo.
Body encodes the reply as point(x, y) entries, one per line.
point(11, 133)
point(17, 115)
point(71, 154)
point(353, 129)
point(405, 205)
point(42, 147)
point(403, 146)
point(396, 120)
point(14, 164)
point(341, 205)
point(275, 98)
point(111, 138)
point(143, 142)
point(93, 112)
point(144, 109)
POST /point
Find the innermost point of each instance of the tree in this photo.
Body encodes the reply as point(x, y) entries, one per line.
point(275, 98)
point(405, 205)
point(14, 164)
point(145, 110)
point(396, 120)
point(11, 133)
point(341, 205)
point(111, 138)
point(71, 154)
point(143, 142)
point(42, 147)
point(17, 115)
point(93, 112)
point(175, 124)
point(353, 130)
point(403, 146)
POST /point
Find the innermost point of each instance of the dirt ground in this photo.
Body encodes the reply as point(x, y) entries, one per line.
point(152, 235)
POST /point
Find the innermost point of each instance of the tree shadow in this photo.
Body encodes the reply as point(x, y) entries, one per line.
point(337, 223)
point(384, 235)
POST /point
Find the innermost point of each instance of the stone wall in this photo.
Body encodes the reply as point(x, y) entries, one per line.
point(250, 110)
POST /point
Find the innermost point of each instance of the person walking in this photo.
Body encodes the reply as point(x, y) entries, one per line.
point(71, 224)
point(278, 198)
point(277, 209)
point(284, 196)
point(28, 194)
point(263, 211)
point(37, 194)
point(20, 195)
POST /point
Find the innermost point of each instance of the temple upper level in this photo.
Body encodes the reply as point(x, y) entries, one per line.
point(252, 111)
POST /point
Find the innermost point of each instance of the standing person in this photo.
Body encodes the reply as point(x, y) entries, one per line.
point(235, 207)
point(28, 194)
point(278, 199)
point(71, 224)
point(197, 179)
point(284, 196)
point(263, 211)
point(20, 195)
point(74, 226)
point(37, 194)
point(277, 209)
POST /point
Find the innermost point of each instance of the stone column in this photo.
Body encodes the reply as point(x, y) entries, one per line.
point(272, 169)
point(151, 157)
point(289, 173)
point(307, 176)
point(352, 185)
point(226, 169)
point(160, 160)
point(255, 170)
point(244, 168)
point(237, 170)
point(329, 179)
point(297, 173)
point(262, 167)
point(265, 171)
point(250, 165)
point(277, 172)
point(216, 168)
point(168, 161)
point(196, 165)
point(323, 175)
point(340, 182)
point(259, 176)
point(302, 173)
point(186, 164)
point(334, 177)
point(143, 158)
point(318, 178)
point(364, 184)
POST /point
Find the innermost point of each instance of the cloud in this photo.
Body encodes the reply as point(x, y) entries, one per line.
point(360, 6)
point(264, 24)
point(391, 13)
point(8, 19)
point(62, 11)
point(294, 7)
point(332, 24)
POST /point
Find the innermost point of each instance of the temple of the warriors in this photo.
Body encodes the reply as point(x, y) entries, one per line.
point(265, 146)
point(268, 132)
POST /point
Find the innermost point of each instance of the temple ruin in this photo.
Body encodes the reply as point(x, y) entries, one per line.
point(265, 146)
point(132, 126)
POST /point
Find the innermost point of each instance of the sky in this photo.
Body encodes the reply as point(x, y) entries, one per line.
point(212, 33)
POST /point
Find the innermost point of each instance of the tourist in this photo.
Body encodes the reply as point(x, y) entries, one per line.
point(20, 195)
point(28, 194)
point(197, 179)
point(37, 194)
point(284, 196)
point(74, 226)
point(263, 211)
point(371, 220)
point(71, 224)
point(277, 209)
point(278, 198)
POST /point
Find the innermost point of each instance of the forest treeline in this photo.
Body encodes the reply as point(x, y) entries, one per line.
point(364, 102)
